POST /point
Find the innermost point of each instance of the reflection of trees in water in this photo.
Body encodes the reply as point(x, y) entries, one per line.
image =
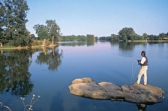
point(126, 46)
point(141, 107)
point(114, 43)
point(90, 43)
point(14, 74)
point(50, 57)
point(78, 43)
point(129, 46)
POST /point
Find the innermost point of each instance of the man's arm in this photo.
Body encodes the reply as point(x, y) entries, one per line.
point(143, 60)
point(140, 62)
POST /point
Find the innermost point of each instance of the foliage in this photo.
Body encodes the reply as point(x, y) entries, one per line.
point(51, 58)
point(90, 38)
point(87, 38)
point(49, 31)
point(13, 22)
point(14, 74)
point(41, 31)
point(114, 37)
point(127, 34)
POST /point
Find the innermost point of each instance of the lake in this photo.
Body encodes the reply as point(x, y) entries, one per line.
point(47, 73)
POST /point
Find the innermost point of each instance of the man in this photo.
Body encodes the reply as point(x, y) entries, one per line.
point(144, 67)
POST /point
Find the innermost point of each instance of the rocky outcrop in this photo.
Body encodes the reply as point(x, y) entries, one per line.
point(136, 93)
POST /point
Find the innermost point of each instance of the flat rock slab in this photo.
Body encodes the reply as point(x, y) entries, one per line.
point(136, 93)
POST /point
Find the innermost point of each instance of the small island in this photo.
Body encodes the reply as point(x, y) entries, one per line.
point(135, 93)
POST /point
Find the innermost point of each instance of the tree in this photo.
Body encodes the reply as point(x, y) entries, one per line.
point(49, 31)
point(2, 16)
point(41, 31)
point(53, 29)
point(127, 34)
point(162, 35)
point(13, 22)
point(145, 36)
point(114, 37)
point(90, 38)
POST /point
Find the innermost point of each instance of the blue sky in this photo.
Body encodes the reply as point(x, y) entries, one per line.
point(100, 17)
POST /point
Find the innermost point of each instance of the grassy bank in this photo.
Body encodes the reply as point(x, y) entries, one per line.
point(149, 41)
point(36, 44)
point(33, 47)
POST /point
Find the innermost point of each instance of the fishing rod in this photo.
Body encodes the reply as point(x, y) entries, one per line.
point(133, 69)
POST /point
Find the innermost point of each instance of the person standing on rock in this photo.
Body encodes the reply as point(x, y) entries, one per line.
point(144, 67)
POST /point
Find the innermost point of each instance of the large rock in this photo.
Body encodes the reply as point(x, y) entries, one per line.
point(136, 93)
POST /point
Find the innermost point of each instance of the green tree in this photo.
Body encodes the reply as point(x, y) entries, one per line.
point(90, 38)
point(53, 29)
point(49, 31)
point(162, 35)
point(13, 22)
point(41, 31)
point(145, 36)
point(33, 36)
point(114, 37)
point(127, 34)
point(2, 22)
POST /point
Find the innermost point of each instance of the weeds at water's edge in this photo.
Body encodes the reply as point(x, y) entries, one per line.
point(27, 107)
point(2, 105)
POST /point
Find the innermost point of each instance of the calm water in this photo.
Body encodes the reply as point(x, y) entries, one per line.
point(48, 73)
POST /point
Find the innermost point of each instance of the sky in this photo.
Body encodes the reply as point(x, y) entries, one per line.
point(100, 17)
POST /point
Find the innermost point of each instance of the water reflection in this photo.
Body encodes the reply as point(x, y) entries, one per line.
point(55, 94)
point(129, 46)
point(14, 65)
point(50, 57)
point(141, 107)
point(14, 74)
point(76, 43)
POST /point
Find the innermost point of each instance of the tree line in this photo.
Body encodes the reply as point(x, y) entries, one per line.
point(87, 38)
point(13, 19)
point(126, 34)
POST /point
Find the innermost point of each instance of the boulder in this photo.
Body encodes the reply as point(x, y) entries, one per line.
point(136, 93)
point(89, 90)
point(83, 80)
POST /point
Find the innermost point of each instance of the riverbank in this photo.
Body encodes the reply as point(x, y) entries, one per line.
point(149, 41)
point(31, 47)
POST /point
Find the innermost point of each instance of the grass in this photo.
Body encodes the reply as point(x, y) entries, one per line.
point(35, 44)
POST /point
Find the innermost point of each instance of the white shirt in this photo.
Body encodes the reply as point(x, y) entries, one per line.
point(142, 62)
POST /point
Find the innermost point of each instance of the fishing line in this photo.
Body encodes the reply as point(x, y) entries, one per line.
point(132, 70)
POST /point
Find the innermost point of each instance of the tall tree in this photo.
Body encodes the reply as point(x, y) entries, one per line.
point(127, 34)
point(145, 36)
point(2, 16)
point(114, 37)
point(49, 31)
point(41, 31)
point(53, 29)
point(13, 23)
point(90, 38)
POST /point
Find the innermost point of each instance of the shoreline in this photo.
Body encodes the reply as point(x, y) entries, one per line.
point(150, 41)
point(56, 45)
point(32, 47)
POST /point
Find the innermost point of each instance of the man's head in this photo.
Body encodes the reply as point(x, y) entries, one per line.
point(143, 53)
